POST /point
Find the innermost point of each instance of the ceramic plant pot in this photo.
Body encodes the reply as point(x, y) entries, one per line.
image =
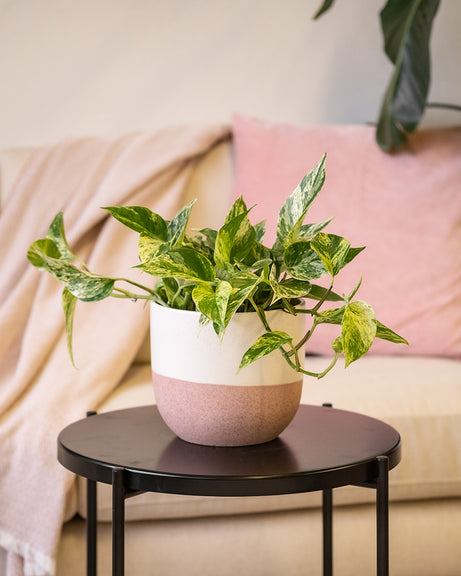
point(198, 391)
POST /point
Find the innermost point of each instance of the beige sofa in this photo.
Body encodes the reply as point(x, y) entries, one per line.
point(265, 536)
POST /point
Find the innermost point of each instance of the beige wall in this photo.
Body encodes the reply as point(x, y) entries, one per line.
point(72, 68)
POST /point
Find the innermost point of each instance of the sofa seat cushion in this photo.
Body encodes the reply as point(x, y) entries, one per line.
point(419, 396)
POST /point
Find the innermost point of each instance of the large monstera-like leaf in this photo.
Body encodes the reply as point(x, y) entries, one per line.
point(406, 27)
point(407, 30)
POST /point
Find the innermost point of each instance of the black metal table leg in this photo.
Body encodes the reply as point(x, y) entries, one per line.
point(91, 528)
point(91, 522)
point(327, 511)
point(382, 516)
point(118, 523)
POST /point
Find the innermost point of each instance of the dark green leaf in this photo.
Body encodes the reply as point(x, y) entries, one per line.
point(407, 29)
point(263, 346)
point(318, 292)
point(142, 220)
point(326, 5)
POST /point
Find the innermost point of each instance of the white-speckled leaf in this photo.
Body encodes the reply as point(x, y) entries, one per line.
point(83, 285)
point(264, 345)
point(57, 234)
point(294, 210)
point(177, 226)
point(302, 262)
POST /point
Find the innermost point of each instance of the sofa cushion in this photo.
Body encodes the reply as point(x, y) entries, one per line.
point(406, 208)
point(419, 396)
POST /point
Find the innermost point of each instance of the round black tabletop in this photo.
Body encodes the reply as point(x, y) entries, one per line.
point(322, 448)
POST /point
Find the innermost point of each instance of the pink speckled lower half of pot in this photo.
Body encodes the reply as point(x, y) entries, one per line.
point(220, 415)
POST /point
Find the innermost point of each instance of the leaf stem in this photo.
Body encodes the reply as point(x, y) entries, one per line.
point(313, 312)
point(443, 105)
point(318, 375)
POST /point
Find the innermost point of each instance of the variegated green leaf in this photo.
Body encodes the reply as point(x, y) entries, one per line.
point(289, 289)
point(244, 285)
point(260, 230)
point(358, 330)
point(237, 208)
point(141, 219)
point(177, 226)
point(40, 250)
point(386, 333)
point(302, 262)
point(308, 231)
point(210, 236)
point(294, 210)
point(184, 263)
point(83, 285)
point(68, 304)
point(333, 316)
point(337, 345)
point(264, 345)
point(57, 234)
point(234, 240)
point(332, 250)
point(212, 301)
point(150, 247)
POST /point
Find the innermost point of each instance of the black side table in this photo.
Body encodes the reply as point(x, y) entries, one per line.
point(323, 448)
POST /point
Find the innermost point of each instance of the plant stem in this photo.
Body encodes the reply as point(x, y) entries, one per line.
point(133, 283)
point(312, 312)
point(261, 314)
point(306, 372)
point(131, 295)
point(453, 107)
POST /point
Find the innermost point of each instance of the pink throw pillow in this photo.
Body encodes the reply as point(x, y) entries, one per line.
point(406, 208)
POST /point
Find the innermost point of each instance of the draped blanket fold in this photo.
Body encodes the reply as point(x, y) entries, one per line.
point(40, 391)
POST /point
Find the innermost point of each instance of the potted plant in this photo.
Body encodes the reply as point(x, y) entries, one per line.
point(228, 314)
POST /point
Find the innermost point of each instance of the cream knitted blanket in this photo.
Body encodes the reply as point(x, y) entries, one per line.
point(40, 391)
